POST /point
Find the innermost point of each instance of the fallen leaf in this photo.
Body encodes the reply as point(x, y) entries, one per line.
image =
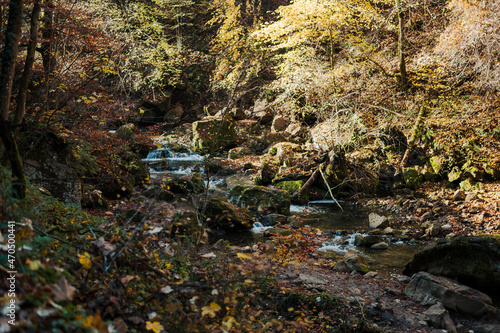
point(34, 265)
point(166, 290)
point(210, 310)
point(127, 278)
point(243, 255)
point(62, 291)
point(208, 255)
point(85, 260)
point(155, 327)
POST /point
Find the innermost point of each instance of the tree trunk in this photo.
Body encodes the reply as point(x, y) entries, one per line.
point(28, 65)
point(411, 141)
point(8, 62)
point(9, 55)
point(402, 62)
point(19, 179)
point(47, 31)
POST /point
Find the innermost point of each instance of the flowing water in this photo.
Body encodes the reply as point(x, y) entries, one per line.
point(340, 226)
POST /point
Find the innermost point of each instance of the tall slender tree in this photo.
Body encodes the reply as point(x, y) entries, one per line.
point(8, 62)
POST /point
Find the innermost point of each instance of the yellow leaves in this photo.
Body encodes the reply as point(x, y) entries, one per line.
point(156, 327)
point(243, 255)
point(228, 322)
point(34, 265)
point(210, 310)
point(85, 260)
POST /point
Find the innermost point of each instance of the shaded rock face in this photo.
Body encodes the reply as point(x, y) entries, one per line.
point(53, 166)
point(473, 261)
point(261, 199)
point(429, 290)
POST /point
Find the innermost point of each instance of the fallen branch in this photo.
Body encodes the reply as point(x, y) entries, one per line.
point(329, 189)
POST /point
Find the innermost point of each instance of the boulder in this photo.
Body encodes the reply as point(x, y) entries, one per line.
point(492, 171)
point(429, 290)
point(473, 261)
point(436, 164)
point(213, 134)
point(174, 115)
point(293, 129)
point(273, 219)
point(378, 221)
point(126, 132)
point(292, 186)
point(238, 152)
point(439, 317)
point(349, 263)
point(412, 178)
point(466, 185)
point(261, 111)
point(285, 150)
point(454, 175)
point(54, 166)
point(280, 124)
point(261, 199)
point(223, 215)
point(192, 183)
point(266, 172)
point(380, 246)
point(367, 241)
point(459, 195)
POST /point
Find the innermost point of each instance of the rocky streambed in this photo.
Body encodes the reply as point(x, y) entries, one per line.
point(361, 248)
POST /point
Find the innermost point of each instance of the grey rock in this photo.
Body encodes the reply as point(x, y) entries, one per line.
point(439, 317)
point(429, 290)
point(380, 246)
point(459, 195)
point(378, 221)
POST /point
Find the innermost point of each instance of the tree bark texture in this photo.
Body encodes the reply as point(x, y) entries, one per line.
point(8, 62)
point(402, 62)
point(28, 64)
point(9, 55)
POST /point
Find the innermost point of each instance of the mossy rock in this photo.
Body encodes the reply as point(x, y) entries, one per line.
point(493, 171)
point(139, 171)
point(223, 215)
point(466, 185)
point(213, 135)
point(261, 199)
point(472, 172)
point(473, 261)
point(436, 164)
point(412, 178)
point(292, 186)
point(266, 173)
point(193, 183)
point(454, 175)
point(126, 132)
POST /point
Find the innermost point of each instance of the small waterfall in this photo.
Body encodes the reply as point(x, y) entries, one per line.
point(164, 159)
